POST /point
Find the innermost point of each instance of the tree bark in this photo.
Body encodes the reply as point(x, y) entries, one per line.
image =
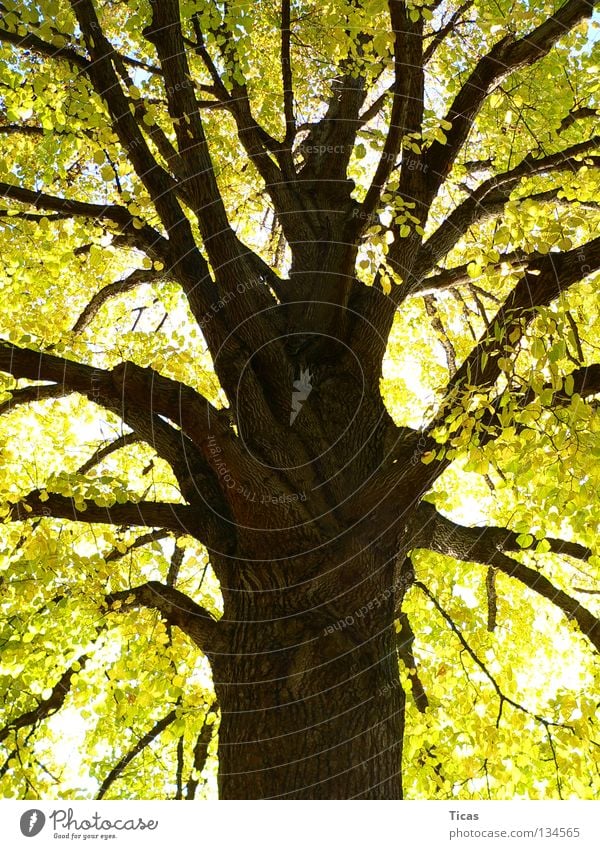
point(311, 702)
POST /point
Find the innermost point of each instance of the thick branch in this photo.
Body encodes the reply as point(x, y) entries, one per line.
point(186, 260)
point(118, 389)
point(450, 538)
point(407, 103)
point(24, 129)
point(586, 384)
point(148, 514)
point(231, 261)
point(144, 235)
point(200, 756)
point(375, 108)
point(183, 405)
point(142, 398)
point(575, 115)
point(165, 34)
point(178, 610)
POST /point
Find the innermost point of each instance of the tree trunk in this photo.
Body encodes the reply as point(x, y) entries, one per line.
point(311, 703)
point(310, 697)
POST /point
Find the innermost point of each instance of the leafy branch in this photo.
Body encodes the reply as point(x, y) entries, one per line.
point(487, 546)
point(178, 610)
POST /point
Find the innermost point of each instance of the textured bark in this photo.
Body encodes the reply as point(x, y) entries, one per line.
point(311, 704)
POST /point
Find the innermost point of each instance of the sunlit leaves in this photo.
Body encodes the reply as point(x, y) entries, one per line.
point(531, 469)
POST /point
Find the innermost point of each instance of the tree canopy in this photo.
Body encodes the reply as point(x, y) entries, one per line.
point(278, 275)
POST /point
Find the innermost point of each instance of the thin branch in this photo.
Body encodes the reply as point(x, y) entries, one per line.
point(585, 383)
point(139, 542)
point(492, 598)
point(134, 279)
point(106, 450)
point(454, 628)
point(286, 74)
point(556, 767)
point(30, 395)
point(129, 225)
point(491, 197)
point(552, 195)
point(118, 214)
point(32, 216)
point(436, 323)
point(257, 143)
point(544, 280)
point(219, 89)
point(575, 330)
point(46, 707)
point(459, 275)
point(506, 56)
point(35, 44)
point(445, 30)
point(487, 546)
point(200, 756)
point(142, 743)
point(404, 645)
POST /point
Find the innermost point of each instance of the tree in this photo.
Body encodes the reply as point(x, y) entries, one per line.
point(300, 359)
